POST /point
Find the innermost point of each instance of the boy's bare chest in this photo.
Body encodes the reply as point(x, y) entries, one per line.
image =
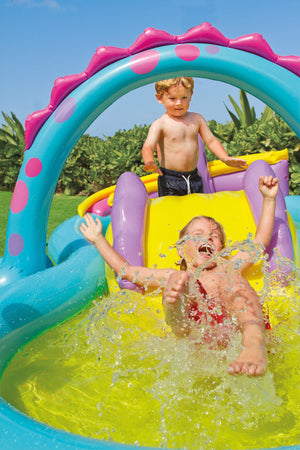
point(180, 130)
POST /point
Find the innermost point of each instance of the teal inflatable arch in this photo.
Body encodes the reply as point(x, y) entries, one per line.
point(76, 101)
point(267, 80)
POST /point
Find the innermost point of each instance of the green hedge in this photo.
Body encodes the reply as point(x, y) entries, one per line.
point(97, 163)
point(262, 136)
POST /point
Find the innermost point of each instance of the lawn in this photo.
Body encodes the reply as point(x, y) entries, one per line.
point(63, 207)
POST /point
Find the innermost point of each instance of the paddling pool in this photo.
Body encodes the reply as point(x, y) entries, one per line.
point(38, 292)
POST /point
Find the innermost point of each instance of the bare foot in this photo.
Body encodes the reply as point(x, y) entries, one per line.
point(251, 361)
point(174, 303)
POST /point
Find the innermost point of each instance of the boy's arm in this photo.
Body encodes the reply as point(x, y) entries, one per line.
point(217, 148)
point(149, 147)
point(268, 187)
point(142, 276)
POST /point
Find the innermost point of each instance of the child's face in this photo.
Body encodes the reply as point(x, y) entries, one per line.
point(201, 242)
point(176, 100)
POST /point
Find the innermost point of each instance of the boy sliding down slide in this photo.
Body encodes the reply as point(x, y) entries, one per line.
point(207, 290)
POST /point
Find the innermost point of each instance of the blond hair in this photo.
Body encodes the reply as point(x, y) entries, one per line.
point(164, 85)
point(185, 231)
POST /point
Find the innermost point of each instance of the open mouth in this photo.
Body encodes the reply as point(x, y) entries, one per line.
point(206, 249)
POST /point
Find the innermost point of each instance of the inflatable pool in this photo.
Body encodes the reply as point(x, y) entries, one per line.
point(38, 292)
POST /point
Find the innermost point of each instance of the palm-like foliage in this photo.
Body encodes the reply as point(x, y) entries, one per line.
point(12, 133)
point(12, 144)
point(246, 115)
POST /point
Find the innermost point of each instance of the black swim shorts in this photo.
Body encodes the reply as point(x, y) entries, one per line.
point(179, 183)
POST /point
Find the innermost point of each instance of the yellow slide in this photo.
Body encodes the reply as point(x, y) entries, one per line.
point(146, 230)
point(166, 216)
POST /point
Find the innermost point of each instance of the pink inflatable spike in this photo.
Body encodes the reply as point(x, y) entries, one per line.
point(205, 33)
point(254, 43)
point(291, 63)
point(34, 122)
point(151, 38)
point(64, 85)
point(105, 56)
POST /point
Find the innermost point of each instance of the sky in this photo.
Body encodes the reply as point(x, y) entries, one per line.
point(42, 40)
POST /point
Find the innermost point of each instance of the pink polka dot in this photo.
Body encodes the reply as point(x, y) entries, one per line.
point(144, 62)
point(212, 49)
point(19, 198)
point(33, 167)
point(15, 244)
point(187, 52)
point(65, 110)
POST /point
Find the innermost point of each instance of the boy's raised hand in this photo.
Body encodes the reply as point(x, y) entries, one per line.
point(268, 186)
point(91, 229)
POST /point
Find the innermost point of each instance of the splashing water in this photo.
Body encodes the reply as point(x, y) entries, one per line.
point(134, 382)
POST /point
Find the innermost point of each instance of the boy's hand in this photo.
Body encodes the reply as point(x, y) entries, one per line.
point(152, 167)
point(236, 162)
point(91, 230)
point(268, 186)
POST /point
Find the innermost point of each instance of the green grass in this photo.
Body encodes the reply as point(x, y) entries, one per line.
point(63, 207)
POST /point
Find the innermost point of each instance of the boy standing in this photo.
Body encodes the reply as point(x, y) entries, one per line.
point(175, 136)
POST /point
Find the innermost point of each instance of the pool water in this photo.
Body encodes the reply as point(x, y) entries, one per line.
point(115, 372)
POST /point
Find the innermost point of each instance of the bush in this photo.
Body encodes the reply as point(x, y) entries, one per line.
point(97, 163)
point(75, 176)
point(115, 155)
point(261, 136)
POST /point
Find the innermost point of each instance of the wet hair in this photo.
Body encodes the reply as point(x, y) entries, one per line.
point(220, 228)
point(164, 85)
point(185, 230)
